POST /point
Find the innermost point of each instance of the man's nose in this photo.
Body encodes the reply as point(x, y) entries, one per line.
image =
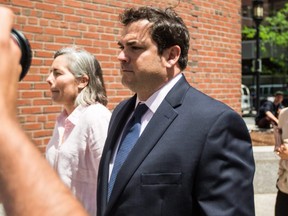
point(123, 56)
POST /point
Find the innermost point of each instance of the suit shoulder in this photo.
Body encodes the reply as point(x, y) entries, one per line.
point(203, 100)
point(120, 105)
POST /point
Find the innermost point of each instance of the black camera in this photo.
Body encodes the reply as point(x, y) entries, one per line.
point(26, 51)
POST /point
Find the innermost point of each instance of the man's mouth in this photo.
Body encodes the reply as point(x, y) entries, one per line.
point(54, 90)
point(127, 70)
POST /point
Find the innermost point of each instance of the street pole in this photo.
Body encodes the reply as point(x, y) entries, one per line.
point(258, 14)
point(258, 67)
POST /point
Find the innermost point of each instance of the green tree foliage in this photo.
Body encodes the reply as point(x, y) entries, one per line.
point(273, 33)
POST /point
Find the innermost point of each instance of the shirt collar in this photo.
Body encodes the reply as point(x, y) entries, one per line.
point(74, 117)
point(154, 101)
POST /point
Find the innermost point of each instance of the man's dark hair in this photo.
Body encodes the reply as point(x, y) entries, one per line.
point(278, 93)
point(168, 29)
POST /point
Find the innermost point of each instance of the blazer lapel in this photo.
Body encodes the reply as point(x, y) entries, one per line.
point(118, 120)
point(149, 138)
point(145, 143)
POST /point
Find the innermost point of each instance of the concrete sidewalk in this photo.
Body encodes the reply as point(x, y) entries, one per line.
point(265, 180)
point(265, 175)
point(264, 204)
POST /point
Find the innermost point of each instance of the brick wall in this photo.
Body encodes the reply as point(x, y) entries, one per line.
point(214, 59)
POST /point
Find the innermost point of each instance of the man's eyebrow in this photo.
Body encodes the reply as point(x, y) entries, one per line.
point(129, 43)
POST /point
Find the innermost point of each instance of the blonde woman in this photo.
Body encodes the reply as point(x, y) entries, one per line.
point(75, 147)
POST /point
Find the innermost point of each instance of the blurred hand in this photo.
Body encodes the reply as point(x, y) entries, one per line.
point(282, 151)
point(10, 68)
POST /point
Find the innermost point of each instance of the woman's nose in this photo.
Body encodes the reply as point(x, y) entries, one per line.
point(49, 79)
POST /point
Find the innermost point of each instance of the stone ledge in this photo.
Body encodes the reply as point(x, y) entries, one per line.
point(262, 137)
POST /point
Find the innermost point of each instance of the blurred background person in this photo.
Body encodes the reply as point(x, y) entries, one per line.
point(75, 148)
point(281, 207)
point(269, 111)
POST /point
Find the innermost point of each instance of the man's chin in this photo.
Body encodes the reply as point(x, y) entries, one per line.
point(128, 84)
point(55, 100)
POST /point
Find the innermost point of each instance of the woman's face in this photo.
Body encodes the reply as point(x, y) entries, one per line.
point(63, 84)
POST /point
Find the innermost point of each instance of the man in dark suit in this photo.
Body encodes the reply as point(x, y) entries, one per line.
point(194, 154)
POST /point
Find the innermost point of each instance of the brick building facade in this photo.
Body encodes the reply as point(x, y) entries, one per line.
point(214, 58)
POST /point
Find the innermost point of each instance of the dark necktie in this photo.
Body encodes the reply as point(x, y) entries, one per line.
point(129, 138)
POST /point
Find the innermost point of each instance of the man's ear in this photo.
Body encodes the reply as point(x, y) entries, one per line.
point(83, 82)
point(172, 55)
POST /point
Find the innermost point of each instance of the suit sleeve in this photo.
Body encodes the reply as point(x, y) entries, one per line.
point(225, 175)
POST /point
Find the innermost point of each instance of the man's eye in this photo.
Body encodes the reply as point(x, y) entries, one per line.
point(136, 48)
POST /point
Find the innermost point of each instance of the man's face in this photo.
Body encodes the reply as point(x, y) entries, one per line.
point(142, 69)
point(279, 99)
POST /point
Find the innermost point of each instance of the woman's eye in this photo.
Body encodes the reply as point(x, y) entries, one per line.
point(56, 73)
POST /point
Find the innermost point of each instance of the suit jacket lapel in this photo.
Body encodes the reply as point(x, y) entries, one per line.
point(116, 125)
point(118, 121)
point(149, 138)
point(145, 143)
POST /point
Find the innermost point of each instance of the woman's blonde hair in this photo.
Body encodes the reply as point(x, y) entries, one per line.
point(80, 63)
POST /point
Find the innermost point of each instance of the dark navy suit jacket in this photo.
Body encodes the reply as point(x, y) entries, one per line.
point(193, 158)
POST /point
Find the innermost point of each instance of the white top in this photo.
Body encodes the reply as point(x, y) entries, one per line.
point(75, 150)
